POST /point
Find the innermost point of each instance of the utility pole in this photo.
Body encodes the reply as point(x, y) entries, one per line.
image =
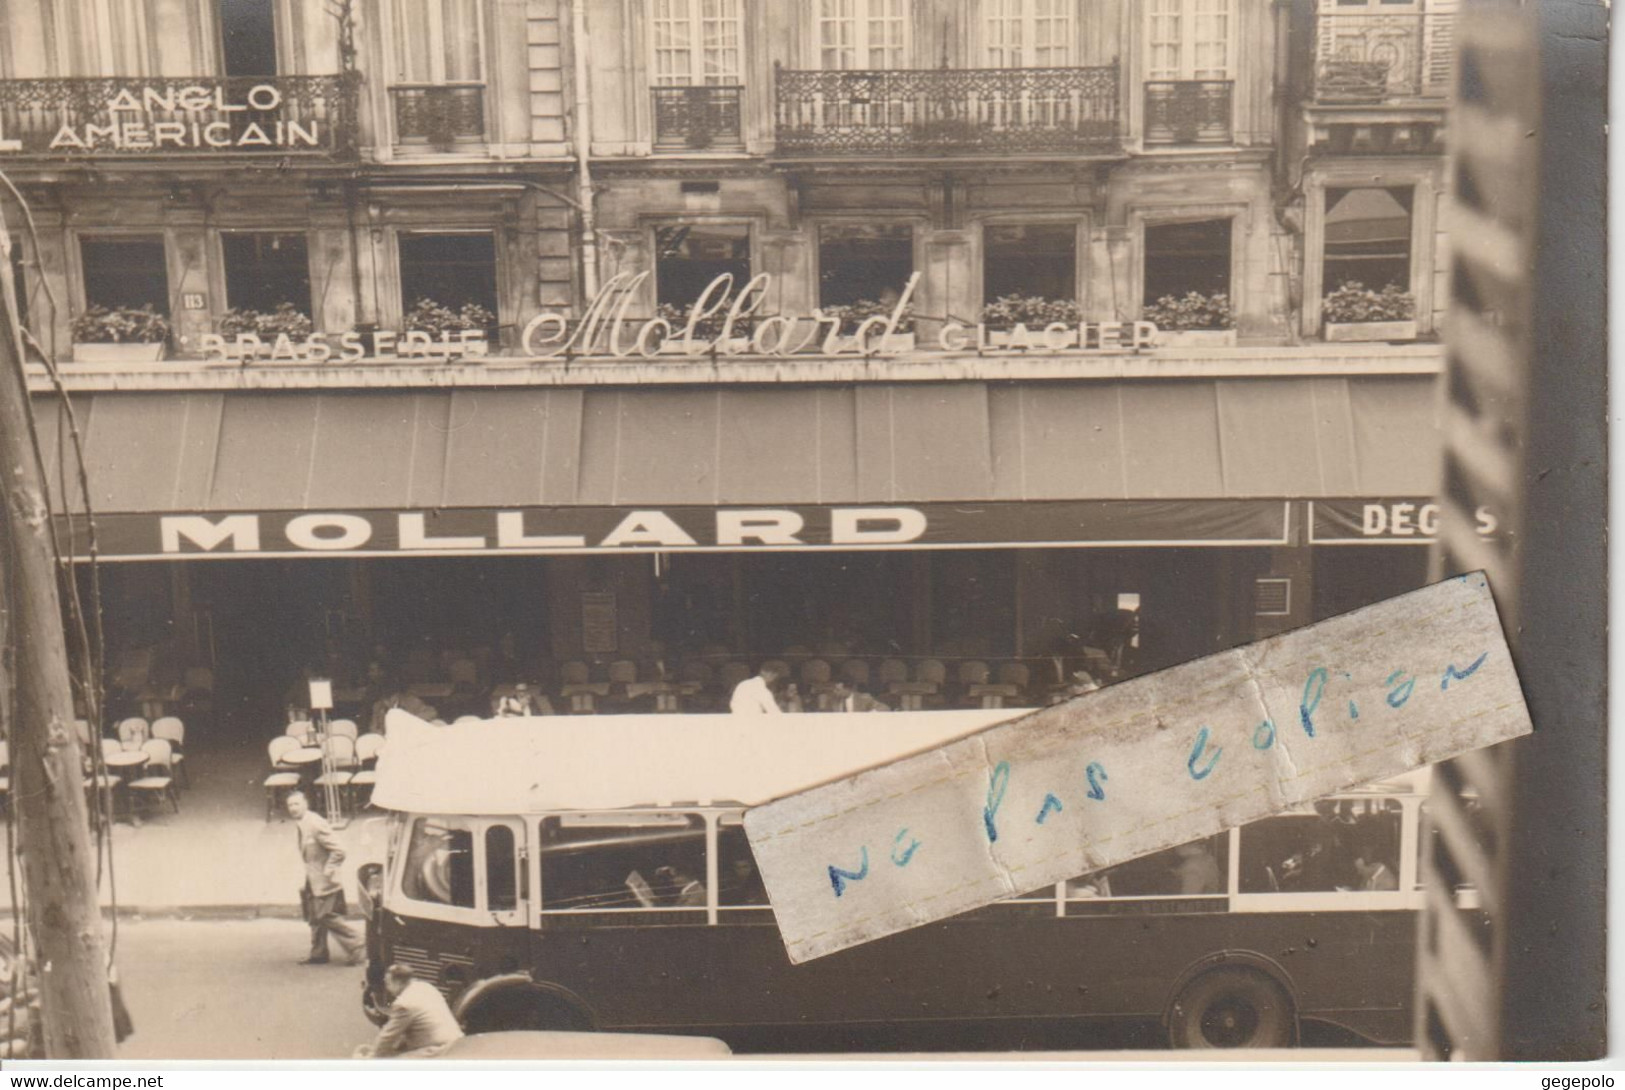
point(47, 781)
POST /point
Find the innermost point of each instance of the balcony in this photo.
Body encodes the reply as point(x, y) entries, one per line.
point(179, 117)
point(946, 111)
point(1383, 58)
point(1188, 111)
point(696, 118)
point(439, 115)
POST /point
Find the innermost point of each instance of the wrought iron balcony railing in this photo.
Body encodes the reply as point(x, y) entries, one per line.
point(168, 116)
point(1373, 58)
point(1188, 111)
point(439, 114)
point(946, 111)
point(697, 118)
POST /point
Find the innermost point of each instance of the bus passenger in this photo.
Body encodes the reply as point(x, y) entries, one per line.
point(684, 890)
point(1197, 871)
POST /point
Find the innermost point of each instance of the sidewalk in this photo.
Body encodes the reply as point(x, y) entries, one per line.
point(219, 856)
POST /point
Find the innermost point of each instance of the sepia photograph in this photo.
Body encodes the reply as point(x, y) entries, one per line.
point(698, 530)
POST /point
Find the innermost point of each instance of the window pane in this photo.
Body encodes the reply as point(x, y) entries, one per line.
point(688, 258)
point(461, 23)
point(411, 31)
point(739, 883)
point(1342, 845)
point(439, 865)
point(125, 272)
point(1184, 257)
point(1195, 869)
point(645, 862)
point(501, 869)
point(1035, 260)
point(265, 270)
point(1368, 238)
point(19, 278)
point(863, 262)
point(451, 270)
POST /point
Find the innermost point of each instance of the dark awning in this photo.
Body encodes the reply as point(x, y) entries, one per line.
point(1067, 454)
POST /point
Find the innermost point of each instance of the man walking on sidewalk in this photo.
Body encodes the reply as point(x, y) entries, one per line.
point(322, 895)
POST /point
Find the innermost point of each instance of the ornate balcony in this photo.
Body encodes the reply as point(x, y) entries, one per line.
point(1377, 58)
point(696, 118)
point(1188, 111)
point(440, 115)
point(946, 111)
point(163, 117)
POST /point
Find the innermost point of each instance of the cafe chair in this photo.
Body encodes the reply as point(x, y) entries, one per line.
point(111, 747)
point(341, 758)
point(82, 728)
point(855, 672)
point(132, 732)
point(344, 727)
point(157, 779)
point(302, 729)
point(579, 690)
point(892, 670)
point(173, 731)
point(367, 749)
point(282, 779)
point(815, 672)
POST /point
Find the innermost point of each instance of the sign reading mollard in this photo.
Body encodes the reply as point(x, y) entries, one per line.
point(1139, 767)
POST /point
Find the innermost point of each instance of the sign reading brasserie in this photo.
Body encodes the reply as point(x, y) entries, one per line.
point(721, 322)
point(190, 117)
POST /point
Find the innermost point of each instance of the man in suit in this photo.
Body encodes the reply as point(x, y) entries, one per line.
point(420, 1023)
point(849, 698)
point(322, 895)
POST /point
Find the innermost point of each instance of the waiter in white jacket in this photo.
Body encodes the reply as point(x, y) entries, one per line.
point(754, 695)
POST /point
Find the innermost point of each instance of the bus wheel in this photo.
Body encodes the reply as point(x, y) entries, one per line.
point(1231, 1007)
point(525, 1008)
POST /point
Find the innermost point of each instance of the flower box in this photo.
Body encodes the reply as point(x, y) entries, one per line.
point(1371, 331)
point(1196, 338)
point(118, 352)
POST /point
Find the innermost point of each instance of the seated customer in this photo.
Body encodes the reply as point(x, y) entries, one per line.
point(522, 700)
point(849, 698)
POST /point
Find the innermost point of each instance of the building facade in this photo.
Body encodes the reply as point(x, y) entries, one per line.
point(1070, 321)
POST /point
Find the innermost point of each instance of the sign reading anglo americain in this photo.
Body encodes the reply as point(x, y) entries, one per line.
point(190, 118)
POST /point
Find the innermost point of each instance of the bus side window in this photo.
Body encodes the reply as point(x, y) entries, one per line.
point(1193, 869)
point(1346, 844)
point(440, 862)
point(618, 862)
point(739, 883)
point(501, 869)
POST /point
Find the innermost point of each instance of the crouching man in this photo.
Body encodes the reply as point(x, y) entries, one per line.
point(420, 1023)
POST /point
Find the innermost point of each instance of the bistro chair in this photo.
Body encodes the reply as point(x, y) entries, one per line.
point(282, 778)
point(111, 747)
point(133, 731)
point(367, 749)
point(910, 695)
point(931, 671)
point(302, 729)
point(815, 672)
point(82, 728)
point(623, 672)
point(173, 731)
point(341, 757)
point(893, 670)
point(345, 727)
point(157, 780)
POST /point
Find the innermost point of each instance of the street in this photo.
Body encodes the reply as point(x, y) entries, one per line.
point(230, 990)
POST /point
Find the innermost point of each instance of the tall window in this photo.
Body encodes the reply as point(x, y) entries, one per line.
point(1181, 258)
point(451, 270)
point(696, 42)
point(265, 270)
point(437, 41)
point(1368, 237)
point(1029, 33)
point(248, 37)
point(688, 258)
point(1189, 39)
point(1031, 260)
point(863, 262)
point(126, 271)
point(863, 33)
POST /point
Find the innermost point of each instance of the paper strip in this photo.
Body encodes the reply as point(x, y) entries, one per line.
point(1139, 767)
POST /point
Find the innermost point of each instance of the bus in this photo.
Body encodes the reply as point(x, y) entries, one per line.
point(592, 873)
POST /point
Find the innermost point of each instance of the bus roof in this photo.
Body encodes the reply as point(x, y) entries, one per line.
point(543, 764)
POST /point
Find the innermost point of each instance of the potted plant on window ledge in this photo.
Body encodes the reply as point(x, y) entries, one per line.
point(853, 315)
point(1193, 320)
point(1015, 321)
point(1355, 312)
point(119, 335)
point(266, 325)
point(437, 320)
point(706, 331)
